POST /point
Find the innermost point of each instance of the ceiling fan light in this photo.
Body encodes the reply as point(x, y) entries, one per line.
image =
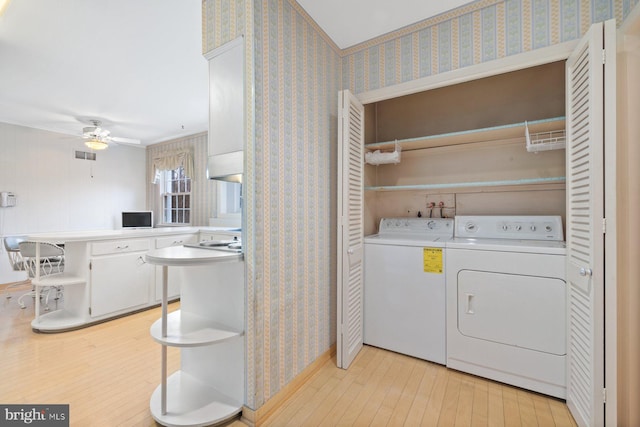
point(96, 144)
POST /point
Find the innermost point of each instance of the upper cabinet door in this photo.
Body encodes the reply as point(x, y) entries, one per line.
point(588, 110)
point(226, 98)
point(350, 228)
point(226, 112)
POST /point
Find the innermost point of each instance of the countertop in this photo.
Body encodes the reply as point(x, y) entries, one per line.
point(89, 235)
point(184, 256)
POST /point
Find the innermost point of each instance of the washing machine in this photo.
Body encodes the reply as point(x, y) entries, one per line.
point(506, 300)
point(404, 287)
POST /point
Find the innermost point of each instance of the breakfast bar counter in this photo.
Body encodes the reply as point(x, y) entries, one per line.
point(106, 274)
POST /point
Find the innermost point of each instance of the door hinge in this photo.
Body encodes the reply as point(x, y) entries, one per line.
point(604, 225)
point(90, 266)
point(604, 56)
point(604, 395)
point(89, 311)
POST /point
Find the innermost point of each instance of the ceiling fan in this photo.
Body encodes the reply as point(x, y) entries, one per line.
point(98, 138)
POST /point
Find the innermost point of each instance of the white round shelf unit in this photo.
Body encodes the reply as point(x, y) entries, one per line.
point(209, 329)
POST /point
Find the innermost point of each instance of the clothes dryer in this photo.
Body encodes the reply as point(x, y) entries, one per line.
point(506, 303)
point(404, 286)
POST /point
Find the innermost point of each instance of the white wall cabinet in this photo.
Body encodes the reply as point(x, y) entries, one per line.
point(226, 111)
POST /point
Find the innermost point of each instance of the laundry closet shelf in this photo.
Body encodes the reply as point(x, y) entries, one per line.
point(495, 133)
point(473, 184)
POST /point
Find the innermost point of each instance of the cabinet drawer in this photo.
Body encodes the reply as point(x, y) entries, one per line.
point(120, 246)
point(177, 240)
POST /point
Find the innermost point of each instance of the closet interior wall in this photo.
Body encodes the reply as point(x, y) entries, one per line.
point(536, 93)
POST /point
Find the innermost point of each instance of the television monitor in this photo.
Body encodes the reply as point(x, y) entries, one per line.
point(137, 219)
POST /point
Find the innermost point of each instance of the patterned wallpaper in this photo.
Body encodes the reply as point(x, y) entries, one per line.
point(297, 76)
point(203, 190)
point(481, 31)
point(295, 71)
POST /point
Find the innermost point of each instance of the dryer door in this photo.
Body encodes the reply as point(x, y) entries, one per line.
point(515, 310)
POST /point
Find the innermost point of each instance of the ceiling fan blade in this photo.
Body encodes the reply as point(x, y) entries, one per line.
point(125, 140)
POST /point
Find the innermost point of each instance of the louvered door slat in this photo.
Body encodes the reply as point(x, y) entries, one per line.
point(585, 261)
point(350, 228)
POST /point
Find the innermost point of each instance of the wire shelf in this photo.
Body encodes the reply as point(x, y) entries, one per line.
point(544, 141)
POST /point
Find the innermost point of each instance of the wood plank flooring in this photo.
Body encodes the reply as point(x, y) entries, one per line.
point(107, 372)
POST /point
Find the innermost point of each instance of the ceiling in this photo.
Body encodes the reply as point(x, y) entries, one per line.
point(349, 22)
point(137, 65)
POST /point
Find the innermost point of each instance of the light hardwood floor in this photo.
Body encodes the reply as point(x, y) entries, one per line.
point(107, 372)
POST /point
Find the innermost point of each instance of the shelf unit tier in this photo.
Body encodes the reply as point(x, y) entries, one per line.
point(187, 330)
point(470, 185)
point(192, 403)
point(60, 279)
point(495, 133)
point(58, 320)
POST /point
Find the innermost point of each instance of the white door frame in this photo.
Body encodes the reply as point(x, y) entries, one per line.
point(559, 52)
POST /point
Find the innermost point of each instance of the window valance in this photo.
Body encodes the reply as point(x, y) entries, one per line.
point(172, 160)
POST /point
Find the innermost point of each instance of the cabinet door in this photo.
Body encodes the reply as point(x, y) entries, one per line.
point(119, 282)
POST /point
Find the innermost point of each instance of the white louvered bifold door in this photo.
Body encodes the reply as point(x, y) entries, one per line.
point(585, 229)
point(350, 228)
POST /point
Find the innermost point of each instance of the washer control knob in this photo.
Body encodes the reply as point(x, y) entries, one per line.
point(532, 228)
point(431, 225)
point(505, 227)
point(470, 227)
point(548, 228)
point(518, 227)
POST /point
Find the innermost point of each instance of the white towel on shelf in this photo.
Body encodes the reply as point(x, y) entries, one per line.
point(379, 158)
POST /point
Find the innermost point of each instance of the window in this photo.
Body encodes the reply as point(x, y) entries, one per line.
point(176, 197)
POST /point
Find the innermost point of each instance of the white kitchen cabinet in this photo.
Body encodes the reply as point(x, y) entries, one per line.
point(119, 283)
point(106, 275)
point(226, 111)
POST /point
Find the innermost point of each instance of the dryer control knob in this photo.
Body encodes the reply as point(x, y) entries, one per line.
point(431, 225)
point(533, 228)
point(518, 227)
point(548, 228)
point(505, 227)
